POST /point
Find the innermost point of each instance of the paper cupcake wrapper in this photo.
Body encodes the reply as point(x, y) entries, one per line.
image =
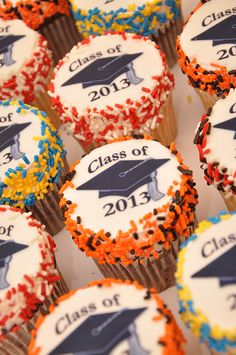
point(17, 342)
point(229, 201)
point(167, 129)
point(61, 34)
point(47, 210)
point(42, 101)
point(158, 273)
point(207, 100)
point(166, 39)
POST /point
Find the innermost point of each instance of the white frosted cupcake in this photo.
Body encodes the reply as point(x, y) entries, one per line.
point(29, 280)
point(108, 317)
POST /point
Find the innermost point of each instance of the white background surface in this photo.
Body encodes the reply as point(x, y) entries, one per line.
point(79, 270)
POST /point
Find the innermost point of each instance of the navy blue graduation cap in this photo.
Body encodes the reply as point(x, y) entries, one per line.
point(224, 268)
point(125, 177)
point(9, 137)
point(99, 334)
point(7, 249)
point(6, 45)
point(223, 32)
point(104, 71)
point(229, 125)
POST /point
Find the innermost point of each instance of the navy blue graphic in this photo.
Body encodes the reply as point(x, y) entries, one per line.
point(101, 333)
point(6, 46)
point(224, 268)
point(9, 137)
point(7, 249)
point(223, 32)
point(229, 125)
point(104, 71)
point(125, 177)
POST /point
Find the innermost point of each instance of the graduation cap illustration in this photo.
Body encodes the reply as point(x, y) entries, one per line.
point(100, 334)
point(125, 177)
point(224, 268)
point(9, 137)
point(6, 46)
point(7, 249)
point(223, 32)
point(104, 71)
point(229, 125)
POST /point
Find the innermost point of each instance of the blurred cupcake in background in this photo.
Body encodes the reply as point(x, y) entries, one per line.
point(52, 19)
point(207, 50)
point(33, 163)
point(106, 317)
point(216, 142)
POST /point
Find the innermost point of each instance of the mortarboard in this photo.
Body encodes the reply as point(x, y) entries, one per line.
point(125, 177)
point(229, 125)
point(9, 137)
point(223, 32)
point(104, 71)
point(7, 249)
point(224, 268)
point(6, 41)
point(6, 45)
point(99, 334)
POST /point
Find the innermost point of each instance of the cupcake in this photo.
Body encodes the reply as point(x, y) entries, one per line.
point(207, 50)
point(106, 317)
point(52, 19)
point(215, 139)
point(25, 66)
point(160, 20)
point(206, 281)
point(114, 85)
point(143, 206)
point(33, 163)
point(29, 281)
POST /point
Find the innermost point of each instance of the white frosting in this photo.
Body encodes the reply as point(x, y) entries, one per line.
point(27, 144)
point(26, 259)
point(145, 66)
point(206, 17)
point(93, 216)
point(219, 312)
point(127, 297)
point(22, 49)
point(220, 141)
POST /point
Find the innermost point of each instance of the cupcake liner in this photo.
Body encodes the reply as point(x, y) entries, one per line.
point(166, 39)
point(16, 342)
point(62, 35)
point(229, 201)
point(167, 129)
point(47, 210)
point(158, 273)
point(207, 100)
point(42, 101)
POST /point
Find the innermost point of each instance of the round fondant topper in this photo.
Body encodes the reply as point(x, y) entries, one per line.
point(106, 71)
point(101, 319)
point(125, 180)
point(210, 35)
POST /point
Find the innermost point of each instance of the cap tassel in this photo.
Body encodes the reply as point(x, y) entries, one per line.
point(135, 347)
point(3, 272)
point(15, 148)
point(131, 75)
point(7, 57)
point(153, 188)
